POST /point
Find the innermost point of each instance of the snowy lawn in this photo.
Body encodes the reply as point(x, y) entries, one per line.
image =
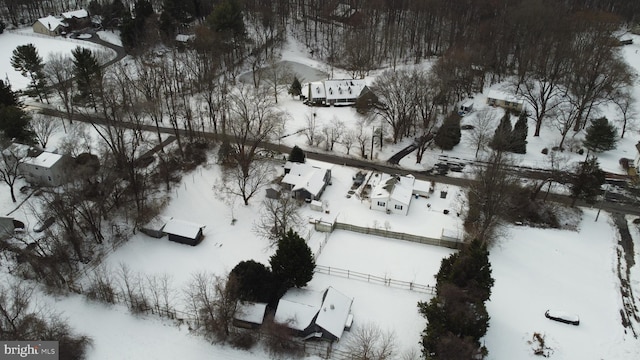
point(536, 270)
point(46, 46)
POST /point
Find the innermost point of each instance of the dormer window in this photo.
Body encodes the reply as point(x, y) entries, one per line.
point(340, 90)
point(349, 89)
point(318, 89)
point(331, 91)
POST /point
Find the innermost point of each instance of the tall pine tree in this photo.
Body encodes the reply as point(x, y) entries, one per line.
point(27, 61)
point(87, 73)
point(457, 314)
point(449, 134)
point(501, 140)
point(519, 135)
point(292, 264)
point(601, 135)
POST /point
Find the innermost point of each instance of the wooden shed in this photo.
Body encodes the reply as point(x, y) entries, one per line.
point(184, 232)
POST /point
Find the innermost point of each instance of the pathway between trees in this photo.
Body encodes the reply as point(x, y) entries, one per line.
point(625, 251)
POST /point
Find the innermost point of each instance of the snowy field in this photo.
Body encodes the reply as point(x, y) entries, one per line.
point(46, 46)
point(535, 269)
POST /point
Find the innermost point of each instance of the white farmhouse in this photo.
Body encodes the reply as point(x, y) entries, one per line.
point(45, 169)
point(337, 92)
point(393, 194)
point(306, 180)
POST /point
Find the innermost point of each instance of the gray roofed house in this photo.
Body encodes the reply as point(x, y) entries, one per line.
point(315, 314)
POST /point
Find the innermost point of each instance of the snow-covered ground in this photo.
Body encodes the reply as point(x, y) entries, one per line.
point(46, 46)
point(535, 269)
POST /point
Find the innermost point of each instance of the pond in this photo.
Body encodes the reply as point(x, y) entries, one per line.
point(304, 73)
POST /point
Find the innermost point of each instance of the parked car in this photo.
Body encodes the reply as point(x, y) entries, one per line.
point(562, 317)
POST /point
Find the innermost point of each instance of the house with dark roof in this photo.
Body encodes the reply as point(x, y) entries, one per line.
point(315, 314)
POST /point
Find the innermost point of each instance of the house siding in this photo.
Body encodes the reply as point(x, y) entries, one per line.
point(185, 240)
point(41, 28)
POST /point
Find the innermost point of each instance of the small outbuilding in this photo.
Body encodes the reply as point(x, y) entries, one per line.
point(155, 227)
point(504, 100)
point(184, 232)
point(249, 315)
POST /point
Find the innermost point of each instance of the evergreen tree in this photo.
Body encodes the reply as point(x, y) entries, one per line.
point(458, 311)
point(601, 135)
point(297, 155)
point(296, 87)
point(501, 140)
point(14, 124)
point(519, 135)
point(27, 61)
point(7, 96)
point(449, 133)
point(587, 181)
point(292, 264)
point(227, 20)
point(87, 73)
point(254, 281)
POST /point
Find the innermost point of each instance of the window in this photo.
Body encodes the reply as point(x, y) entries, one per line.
point(381, 203)
point(398, 207)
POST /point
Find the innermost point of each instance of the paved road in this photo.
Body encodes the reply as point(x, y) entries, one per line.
point(617, 206)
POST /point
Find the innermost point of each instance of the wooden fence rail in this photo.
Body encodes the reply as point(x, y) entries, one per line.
point(398, 235)
point(406, 285)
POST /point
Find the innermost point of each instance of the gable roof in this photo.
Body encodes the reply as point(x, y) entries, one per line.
point(52, 23)
point(398, 188)
point(78, 14)
point(499, 95)
point(334, 312)
point(317, 89)
point(182, 228)
point(251, 312)
point(45, 160)
point(343, 88)
point(298, 307)
point(303, 176)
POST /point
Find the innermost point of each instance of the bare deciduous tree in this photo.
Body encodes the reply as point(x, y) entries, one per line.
point(488, 196)
point(235, 182)
point(9, 169)
point(21, 319)
point(369, 342)
point(625, 103)
point(43, 126)
point(310, 130)
point(480, 135)
point(59, 71)
point(277, 216)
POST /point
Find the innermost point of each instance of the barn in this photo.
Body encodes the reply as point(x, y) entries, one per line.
point(184, 232)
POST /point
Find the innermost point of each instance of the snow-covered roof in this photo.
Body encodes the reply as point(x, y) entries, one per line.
point(52, 23)
point(335, 311)
point(399, 188)
point(157, 223)
point(184, 38)
point(45, 160)
point(317, 89)
point(251, 312)
point(18, 150)
point(344, 88)
point(298, 307)
point(499, 95)
point(305, 176)
point(75, 14)
point(421, 186)
point(182, 228)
